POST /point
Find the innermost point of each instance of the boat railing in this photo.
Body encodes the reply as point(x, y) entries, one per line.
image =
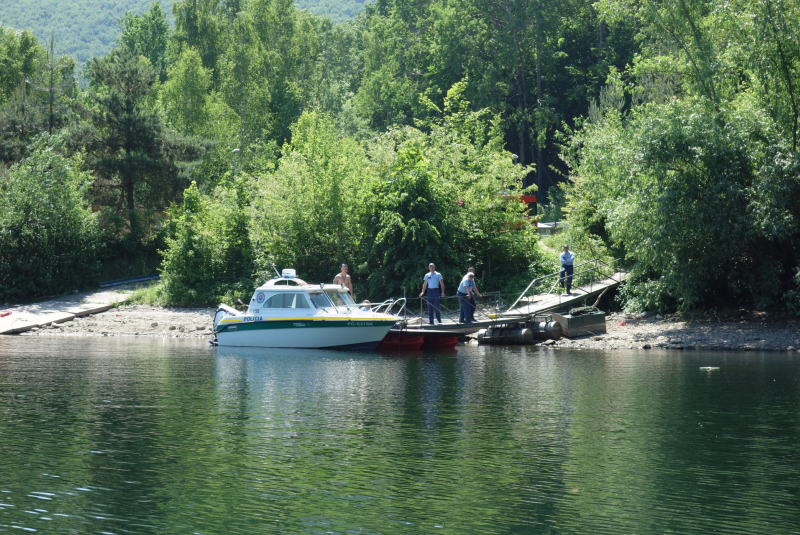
point(392, 306)
point(488, 307)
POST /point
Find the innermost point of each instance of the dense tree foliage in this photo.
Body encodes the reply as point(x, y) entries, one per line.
point(691, 167)
point(87, 28)
point(49, 240)
point(82, 28)
point(405, 135)
point(44, 98)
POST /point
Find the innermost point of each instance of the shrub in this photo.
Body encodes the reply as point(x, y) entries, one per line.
point(208, 257)
point(50, 241)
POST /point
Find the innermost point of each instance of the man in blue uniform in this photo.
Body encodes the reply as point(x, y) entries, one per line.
point(434, 284)
point(464, 293)
point(474, 293)
point(567, 258)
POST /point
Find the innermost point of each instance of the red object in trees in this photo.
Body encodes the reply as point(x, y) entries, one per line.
point(528, 200)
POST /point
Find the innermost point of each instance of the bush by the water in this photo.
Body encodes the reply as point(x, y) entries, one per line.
point(50, 241)
point(702, 202)
point(209, 257)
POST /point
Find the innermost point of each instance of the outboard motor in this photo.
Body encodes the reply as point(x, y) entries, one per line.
point(223, 312)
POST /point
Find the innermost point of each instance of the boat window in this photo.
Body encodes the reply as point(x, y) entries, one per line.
point(320, 300)
point(296, 301)
point(346, 297)
point(287, 300)
point(337, 299)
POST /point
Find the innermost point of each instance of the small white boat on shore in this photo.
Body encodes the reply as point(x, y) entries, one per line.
point(291, 313)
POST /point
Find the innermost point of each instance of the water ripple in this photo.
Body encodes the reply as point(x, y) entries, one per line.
point(144, 436)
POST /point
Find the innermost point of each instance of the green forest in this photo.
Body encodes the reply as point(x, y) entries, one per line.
point(84, 29)
point(226, 138)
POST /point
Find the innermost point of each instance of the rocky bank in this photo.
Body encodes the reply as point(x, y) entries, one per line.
point(137, 320)
point(745, 332)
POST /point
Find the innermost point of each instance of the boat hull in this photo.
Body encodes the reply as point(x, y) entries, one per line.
point(305, 333)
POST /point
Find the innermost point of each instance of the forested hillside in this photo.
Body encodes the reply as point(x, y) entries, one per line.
point(82, 28)
point(87, 28)
point(669, 131)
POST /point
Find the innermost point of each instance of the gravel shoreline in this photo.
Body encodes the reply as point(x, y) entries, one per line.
point(137, 320)
point(749, 332)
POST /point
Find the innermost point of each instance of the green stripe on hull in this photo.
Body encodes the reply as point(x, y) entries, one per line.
point(303, 324)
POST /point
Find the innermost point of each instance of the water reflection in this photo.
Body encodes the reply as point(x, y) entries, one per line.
point(171, 436)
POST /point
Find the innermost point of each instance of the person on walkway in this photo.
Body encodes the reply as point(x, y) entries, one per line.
point(465, 297)
point(567, 258)
point(472, 302)
point(434, 284)
point(344, 279)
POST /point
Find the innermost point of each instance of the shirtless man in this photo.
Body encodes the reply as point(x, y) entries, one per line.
point(344, 278)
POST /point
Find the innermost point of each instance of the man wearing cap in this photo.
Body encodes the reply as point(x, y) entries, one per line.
point(567, 258)
point(344, 279)
point(469, 280)
point(434, 284)
point(465, 290)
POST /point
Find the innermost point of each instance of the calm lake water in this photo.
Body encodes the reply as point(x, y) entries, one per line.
point(116, 435)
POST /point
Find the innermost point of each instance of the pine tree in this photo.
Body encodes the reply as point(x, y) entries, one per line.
point(133, 151)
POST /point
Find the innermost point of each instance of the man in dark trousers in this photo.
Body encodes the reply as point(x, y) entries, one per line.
point(567, 258)
point(472, 303)
point(434, 284)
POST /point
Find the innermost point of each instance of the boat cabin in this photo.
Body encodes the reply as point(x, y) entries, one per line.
point(290, 294)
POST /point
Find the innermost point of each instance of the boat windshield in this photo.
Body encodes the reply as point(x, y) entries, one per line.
point(320, 300)
point(338, 298)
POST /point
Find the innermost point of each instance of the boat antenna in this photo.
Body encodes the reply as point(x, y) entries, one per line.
point(276, 271)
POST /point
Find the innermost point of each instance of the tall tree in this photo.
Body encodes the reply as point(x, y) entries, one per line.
point(133, 152)
point(55, 81)
point(150, 33)
point(19, 57)
point(184, 96)
point(44, 101)
point(199, 25)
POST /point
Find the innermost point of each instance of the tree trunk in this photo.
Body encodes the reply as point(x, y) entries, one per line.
point(51, 87)
point(539, 157)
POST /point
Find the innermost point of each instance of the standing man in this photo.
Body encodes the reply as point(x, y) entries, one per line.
point(344, 279)
point(434, 284)
point(567, 258)
point(465, 298)
point(474, 293)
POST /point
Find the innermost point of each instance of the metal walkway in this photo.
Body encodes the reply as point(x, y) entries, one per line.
point(542, 295)
point(589, 282)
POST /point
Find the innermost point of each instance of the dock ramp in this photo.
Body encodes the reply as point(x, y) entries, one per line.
point(590, 280)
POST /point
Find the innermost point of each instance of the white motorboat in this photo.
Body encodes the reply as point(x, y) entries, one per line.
point(289, 312)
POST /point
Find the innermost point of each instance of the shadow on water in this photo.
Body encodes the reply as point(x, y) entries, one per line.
point(172, 436)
